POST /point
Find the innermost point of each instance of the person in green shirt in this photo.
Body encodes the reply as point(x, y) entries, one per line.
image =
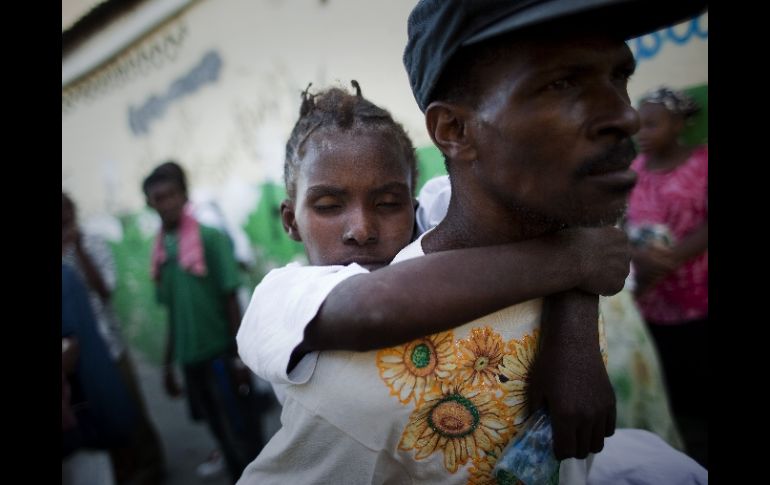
point(196, 277)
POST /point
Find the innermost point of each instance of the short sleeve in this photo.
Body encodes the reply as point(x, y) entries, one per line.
point(282, 305)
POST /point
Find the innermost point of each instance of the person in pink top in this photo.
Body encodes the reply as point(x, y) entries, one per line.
point(667, 223)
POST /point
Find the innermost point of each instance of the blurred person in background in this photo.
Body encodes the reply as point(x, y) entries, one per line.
point(141, 461)
point(667, 224)
point(196, 276)
point(98, 413)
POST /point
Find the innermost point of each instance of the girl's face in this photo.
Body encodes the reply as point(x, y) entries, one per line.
point(659, 128)
point(353, 200)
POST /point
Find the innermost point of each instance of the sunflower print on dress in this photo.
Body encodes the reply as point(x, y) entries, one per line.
point(411, 368)
point(469, 395)
point(481, 353)
point(514, 375)
point(458, 420)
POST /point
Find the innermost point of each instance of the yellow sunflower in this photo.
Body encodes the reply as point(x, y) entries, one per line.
point(411, 368)
point(481, 471)
point(460, 421)
point(514, 375)
point(480, 353)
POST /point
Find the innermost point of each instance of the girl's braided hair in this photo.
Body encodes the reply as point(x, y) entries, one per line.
point(336, 109)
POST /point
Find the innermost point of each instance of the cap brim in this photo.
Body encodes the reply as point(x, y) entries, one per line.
point(627, 18)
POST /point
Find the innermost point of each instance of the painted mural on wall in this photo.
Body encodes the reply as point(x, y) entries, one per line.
point(207, 71)
point(126, 67)
point(648, 46)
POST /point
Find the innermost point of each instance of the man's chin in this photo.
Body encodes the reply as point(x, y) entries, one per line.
point(374, 266)
point(610, 217)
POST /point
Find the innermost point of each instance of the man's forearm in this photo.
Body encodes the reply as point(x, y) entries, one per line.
point(569, 377)
point(570, 321)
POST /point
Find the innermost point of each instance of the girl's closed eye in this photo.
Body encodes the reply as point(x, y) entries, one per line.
point(327, 204)
point(390, 202)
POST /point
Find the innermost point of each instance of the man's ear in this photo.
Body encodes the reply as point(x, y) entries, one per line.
point(289, 221)
point(448, 128)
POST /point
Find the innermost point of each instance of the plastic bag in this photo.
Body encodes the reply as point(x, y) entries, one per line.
point(529, 457)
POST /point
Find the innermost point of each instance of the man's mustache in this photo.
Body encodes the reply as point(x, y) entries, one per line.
point(618, 157)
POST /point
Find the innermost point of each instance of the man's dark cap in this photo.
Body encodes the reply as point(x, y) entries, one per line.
point(437, 29)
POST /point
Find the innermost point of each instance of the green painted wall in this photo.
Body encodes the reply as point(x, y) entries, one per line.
point(430, 163)
point(144, 321)
point(698, 132)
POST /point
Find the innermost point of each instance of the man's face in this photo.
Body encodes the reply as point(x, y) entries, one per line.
point(168, 199)
point(553, 126)
point(353, 200)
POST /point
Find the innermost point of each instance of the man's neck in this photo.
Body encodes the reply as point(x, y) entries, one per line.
point(472, 225)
